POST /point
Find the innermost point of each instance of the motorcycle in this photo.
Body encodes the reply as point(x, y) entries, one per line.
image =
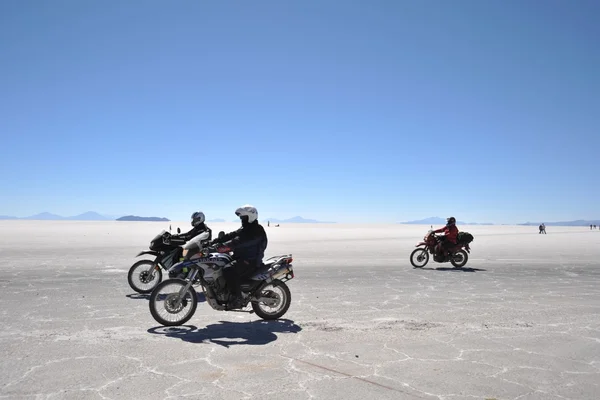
point(457, 255)
point(145, 275)
point(203, 266)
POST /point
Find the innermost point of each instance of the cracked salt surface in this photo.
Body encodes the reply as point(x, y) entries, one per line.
point(522, 321)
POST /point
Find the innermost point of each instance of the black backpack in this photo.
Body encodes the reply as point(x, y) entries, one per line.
point(464, 237)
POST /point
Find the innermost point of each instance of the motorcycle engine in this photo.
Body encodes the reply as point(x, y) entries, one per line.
point(219, 287)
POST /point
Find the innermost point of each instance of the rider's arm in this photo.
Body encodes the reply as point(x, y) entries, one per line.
point(228, 236)
point(237, 242)
point(248, 238)
point(193, 232)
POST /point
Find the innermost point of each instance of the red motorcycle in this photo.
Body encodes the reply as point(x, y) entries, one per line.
point(457, 255)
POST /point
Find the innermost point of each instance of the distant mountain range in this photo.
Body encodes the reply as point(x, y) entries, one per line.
point(136, 218)
point(94, 216)
point(87, 216)
point(295, 220)
point(442, 221)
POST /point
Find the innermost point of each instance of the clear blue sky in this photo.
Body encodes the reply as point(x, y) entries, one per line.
point(342, 110)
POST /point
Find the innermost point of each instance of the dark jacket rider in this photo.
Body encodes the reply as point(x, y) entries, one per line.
point(248, 245)
point(198, 226)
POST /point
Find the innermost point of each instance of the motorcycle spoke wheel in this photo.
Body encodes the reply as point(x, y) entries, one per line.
point(280, 293)
point(419, 258)
point(459, 259)
point(142, 277)
point(166, 305)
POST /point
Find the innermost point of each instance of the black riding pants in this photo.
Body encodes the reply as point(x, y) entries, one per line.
point(444, 245)
point(235, 272)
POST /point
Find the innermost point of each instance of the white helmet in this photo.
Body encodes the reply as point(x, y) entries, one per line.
point(197, 218)
point(247, 211)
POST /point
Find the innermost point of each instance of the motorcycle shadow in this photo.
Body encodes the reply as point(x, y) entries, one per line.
point(255, 333)
point(452, 269)
point(140, 296)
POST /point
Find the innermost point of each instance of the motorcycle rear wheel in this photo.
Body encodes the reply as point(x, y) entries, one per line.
point(170, 303)
point(284, 300)
point(419, 255)
point(459, 259)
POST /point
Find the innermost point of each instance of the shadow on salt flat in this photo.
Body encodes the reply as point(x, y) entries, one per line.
point(142, 296)
point(464, 269)
point(259, 332)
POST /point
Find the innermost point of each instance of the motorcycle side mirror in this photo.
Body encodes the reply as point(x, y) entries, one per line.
point(178, 230)
point(221, 234)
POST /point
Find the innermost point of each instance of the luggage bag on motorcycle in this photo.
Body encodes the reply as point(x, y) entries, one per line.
point(464, 238)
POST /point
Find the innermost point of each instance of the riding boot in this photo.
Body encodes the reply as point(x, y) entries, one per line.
point(235, 299)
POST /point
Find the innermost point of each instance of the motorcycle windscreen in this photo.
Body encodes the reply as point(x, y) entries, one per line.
point(196, 240)
point(159, 236)
point(195, 244)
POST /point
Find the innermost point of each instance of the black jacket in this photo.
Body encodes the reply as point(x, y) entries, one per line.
point(196, 230)
point(247, 243)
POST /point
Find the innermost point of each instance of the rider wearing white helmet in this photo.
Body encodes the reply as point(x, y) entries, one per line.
point(248, 245)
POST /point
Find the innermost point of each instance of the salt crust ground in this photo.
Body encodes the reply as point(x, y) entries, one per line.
point(522, 322)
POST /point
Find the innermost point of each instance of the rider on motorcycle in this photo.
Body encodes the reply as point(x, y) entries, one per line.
point(198, 226)
point(450, 235)
point(248, 245)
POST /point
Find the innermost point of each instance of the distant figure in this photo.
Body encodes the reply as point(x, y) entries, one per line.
point(268, 223)
point(540, 228)
point(591, 226)
point(544, 228)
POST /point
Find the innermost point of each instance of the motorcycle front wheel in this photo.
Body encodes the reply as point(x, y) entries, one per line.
point(140, 277)
point(419, 258)
point(173, 310)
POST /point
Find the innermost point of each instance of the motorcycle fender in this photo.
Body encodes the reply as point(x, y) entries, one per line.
point(154, 253)
point(421, 244)
point(178, 267)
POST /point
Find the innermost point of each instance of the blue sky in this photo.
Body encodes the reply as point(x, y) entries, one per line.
point(352, 111)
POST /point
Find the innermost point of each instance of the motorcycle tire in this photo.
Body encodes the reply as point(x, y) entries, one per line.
point(416, 252)
point(193, 298)
point(463, 258)
point(132, 273)
point(287, 300)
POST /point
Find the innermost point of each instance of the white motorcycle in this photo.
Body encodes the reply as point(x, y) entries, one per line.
point(265, 290)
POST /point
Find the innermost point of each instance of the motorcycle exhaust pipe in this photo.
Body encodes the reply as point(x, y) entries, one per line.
point(285, 271)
